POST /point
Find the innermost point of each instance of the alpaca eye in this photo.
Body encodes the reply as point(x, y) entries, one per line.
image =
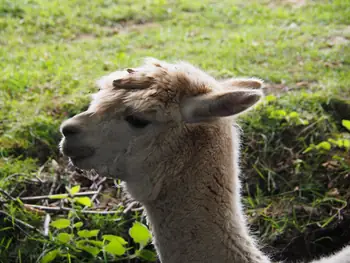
point(136, 122)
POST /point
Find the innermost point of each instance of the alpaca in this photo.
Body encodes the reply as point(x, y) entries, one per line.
point(166, 131)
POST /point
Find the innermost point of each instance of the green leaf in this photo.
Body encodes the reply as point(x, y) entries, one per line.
point(62, 196)
point(83, 200)
point(78, 225)
point(308, 149)
point(324, 145)
point(90, 249)
point(303, 122)
point(281, 113)
point(64, 237)
point(346, 124)
point(333, 141)
point(347, 144)
point(50, 256)
point(148, 255)
point(93, 242)
point(74, 190)
point(115, 248)
point(60, 223)
point(140, 233)
point(115, 238)
point(269, 98)
point(340, 143)
point(72, 213)
point(293, 114)
point(88, 233)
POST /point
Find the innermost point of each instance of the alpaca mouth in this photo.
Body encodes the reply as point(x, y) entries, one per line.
point(76, 153)
point(79, 161)
point(76, 159)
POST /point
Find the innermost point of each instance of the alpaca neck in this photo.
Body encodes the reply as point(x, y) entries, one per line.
point(198, 217)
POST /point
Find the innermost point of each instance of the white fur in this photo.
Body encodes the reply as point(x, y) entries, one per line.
point(185, 173)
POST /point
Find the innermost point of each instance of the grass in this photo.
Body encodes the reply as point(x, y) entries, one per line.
point(53, 51)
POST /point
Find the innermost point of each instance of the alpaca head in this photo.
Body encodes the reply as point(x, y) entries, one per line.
point(138, 115)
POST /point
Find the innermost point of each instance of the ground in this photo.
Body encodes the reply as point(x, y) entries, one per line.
point(295, 152)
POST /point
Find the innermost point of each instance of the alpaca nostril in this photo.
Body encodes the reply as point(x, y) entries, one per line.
point(70, 129)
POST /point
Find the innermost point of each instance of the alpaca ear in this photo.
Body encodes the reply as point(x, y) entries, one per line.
point(245, 83)
point(218, 104)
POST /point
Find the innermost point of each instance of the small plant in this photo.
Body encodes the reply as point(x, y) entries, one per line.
point(326, 146)
point(346, 124)
point(68, 239)
point(86, 201)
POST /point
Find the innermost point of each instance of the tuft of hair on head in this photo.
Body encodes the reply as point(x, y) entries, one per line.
point(106, 82)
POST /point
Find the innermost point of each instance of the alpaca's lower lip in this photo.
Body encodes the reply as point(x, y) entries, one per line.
point(79, 161)
point(76, 152)
point(75, 159)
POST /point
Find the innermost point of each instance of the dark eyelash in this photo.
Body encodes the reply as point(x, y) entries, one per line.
point(136, 122)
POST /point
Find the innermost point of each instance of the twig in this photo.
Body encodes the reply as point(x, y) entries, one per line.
point(129, 207)
point(7, 195)
point(94, 183)
point(56, 208)
point(94, 178)
point(22, 192)
point(58, 187)
point(28, 198)
point(54, 183)
point(102, 180)
point(39, 179)
point(100, 212)
point(13, 189)
point(94, 196)
point(137, 209)
point(13, 175)
point(47, 224)
point(20, 221)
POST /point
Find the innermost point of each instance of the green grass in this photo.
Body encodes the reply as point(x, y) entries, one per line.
point(52, 52)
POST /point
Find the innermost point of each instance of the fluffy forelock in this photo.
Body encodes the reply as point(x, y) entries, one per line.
point(154, 86)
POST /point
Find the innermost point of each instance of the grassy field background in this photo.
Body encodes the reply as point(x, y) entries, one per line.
point(296, 159)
